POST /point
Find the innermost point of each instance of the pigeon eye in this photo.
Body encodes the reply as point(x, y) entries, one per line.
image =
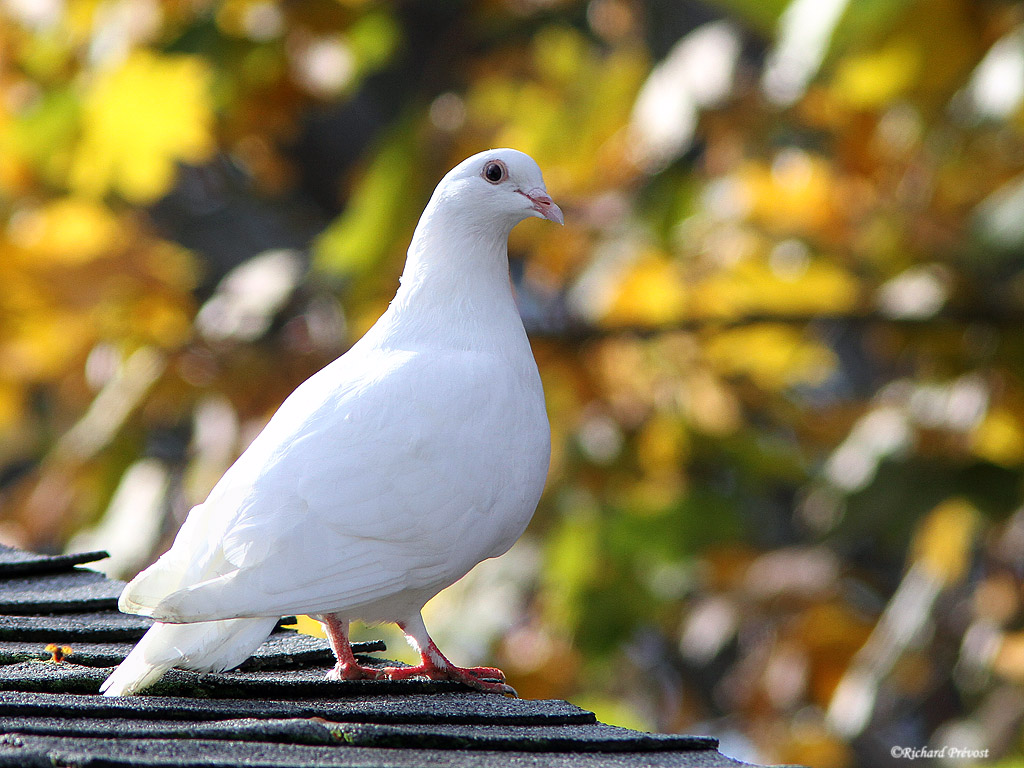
point(495, 172)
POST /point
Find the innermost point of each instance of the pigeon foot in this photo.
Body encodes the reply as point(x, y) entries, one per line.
point(351, 671)
point(433, 664)
point(486, 679)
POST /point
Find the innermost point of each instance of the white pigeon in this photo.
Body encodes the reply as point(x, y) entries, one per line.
point(385, 477)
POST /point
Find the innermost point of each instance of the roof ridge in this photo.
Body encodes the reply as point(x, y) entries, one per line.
point(277, 708)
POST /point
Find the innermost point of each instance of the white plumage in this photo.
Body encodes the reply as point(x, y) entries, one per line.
point(385, 477)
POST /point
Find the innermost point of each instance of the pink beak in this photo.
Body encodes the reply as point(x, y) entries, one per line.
point(544, 205)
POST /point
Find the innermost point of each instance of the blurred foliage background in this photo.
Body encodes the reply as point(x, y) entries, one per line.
point(780, 333)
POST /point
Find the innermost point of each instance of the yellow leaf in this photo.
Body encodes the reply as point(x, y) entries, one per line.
point(810, 742)
point(1009, 659)
point(69, 231)
point(711, 406)
point(13, 171)
point(999, 438)
point(80, 19)
point(576, 83)
point(172, 265)
point(249, 18)
point(943, 541)
point(164, 322)
point(307, 625)
point(795, 194)
point(138, 121)
point(559, 53)
point(775, 356)
point(661, 445)
point(652, 293)
point(752, 287)
point(555, 256)
point(44, 345)
point(652, 495)
point(875, 79)
point(11, 403)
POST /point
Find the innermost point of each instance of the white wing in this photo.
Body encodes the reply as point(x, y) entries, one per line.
point(397, 479)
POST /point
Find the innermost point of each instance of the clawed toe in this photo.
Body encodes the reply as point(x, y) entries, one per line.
point(399, 673)
point(490, 686)
point(487, 679)
point(350, 672)
point(484, 673)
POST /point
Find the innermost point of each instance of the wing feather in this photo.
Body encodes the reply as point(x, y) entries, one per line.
point(340, 500)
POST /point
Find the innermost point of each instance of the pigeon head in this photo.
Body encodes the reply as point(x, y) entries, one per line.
point(499, 185)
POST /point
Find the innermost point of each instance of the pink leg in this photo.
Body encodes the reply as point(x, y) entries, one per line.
point(434, 666)
point(347, 667)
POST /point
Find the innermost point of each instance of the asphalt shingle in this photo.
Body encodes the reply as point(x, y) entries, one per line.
point(17, 562)
point(74, 591)
point(276, 711)
point(96, 626)
point(282, 650)
point(31, 751)
point(526, 738)
point(464, 707)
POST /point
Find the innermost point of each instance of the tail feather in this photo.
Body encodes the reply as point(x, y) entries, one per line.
point(208, 646)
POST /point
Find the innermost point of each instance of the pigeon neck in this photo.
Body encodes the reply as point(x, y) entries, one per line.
point(455, 288)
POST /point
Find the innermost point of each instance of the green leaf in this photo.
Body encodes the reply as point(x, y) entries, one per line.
point(360, 238)
point(374, 38)
point(761, 14)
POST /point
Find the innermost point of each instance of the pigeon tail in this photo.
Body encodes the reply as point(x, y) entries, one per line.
point(208, 646)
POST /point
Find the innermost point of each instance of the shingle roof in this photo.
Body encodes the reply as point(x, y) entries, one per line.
point(277, 709)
